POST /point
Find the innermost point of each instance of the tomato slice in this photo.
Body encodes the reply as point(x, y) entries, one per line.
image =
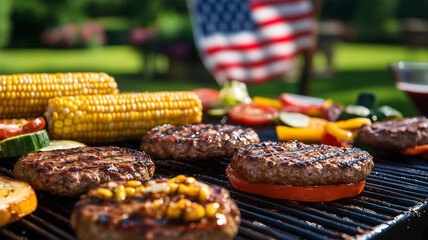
point(14, 127)
point(252, 113)
point(319, 193)
point(34, 125)
point(208, 96)
point(416, 150)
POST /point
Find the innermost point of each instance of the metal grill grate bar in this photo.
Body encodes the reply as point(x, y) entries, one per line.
point(347, 213)
point(271, 222)
point(51, 228)
point(7, 234)
point(286, 219)
point(366, 204)
point(268, 231)
point(415, 194)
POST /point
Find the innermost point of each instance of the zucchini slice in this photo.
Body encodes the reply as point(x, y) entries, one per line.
point(62, 144)
point(25, 143)
point(296, 120)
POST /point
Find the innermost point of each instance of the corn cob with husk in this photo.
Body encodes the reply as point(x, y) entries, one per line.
point(111, 118)
point(27, 95)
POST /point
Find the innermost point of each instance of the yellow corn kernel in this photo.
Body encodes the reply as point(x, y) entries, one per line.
point(204, 193)
point(58, 124)
point(104, 193)
point(174, 211)
point(194, 212)
point(173, 187)
point(139, 189)
point(211, 209)
point(183, 189)
point(157, 204)
point(133, 183)
point(130, 191)
point(120, 193)
point(184, 202)
point(190, 180)
point(178, 179)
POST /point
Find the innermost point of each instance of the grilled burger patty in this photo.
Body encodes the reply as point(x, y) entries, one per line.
point(71, 172)
point(396, 134)
point(298, 164)
point(196, 141)
point(177, 208)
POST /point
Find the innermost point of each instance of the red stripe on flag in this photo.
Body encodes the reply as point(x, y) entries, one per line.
point(259, 80)
point(228, 65)
point(223, 66)
point(287, 20)
point(259, 4)
point(256, 45)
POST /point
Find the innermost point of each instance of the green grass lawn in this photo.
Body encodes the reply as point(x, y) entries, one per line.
point(359, 68)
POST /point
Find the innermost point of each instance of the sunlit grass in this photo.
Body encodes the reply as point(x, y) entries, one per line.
point(113, 60)
point(358, 68)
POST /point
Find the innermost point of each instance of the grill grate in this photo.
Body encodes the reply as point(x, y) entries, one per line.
point(393, 204)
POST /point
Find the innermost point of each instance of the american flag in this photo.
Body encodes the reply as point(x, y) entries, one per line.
point(251, 41)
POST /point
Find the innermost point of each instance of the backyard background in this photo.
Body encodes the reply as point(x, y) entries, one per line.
point(148, 45)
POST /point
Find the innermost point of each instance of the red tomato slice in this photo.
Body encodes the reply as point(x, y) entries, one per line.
point(319, 193)
point(34, 125)
point(207, 96)
point(252, 113)
point(14, 127)
point(416, 150)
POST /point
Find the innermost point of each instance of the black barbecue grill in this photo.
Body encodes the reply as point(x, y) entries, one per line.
point(393, 205)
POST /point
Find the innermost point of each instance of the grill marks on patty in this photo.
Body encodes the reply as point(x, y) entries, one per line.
point(72, 161)
point(299, 155)
point(396, 134)
point(299, 164)
point(71, 172)
point(196, 141)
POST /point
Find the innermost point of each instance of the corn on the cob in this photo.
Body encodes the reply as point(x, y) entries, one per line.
point(119, 117)
point(27, 95)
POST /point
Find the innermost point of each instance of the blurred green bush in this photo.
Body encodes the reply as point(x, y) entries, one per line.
point(5, 10)
point(373, 20)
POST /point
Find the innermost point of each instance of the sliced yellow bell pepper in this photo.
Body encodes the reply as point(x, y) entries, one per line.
point(353, 123)
point(301, 134)
point(341, 134)
point(268, 102)
point(317, 123)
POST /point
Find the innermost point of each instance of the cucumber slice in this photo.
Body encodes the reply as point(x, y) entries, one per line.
point(25, 143)
point(62, 144)
point(218, 112)
point(296, 120)
point(353, 111)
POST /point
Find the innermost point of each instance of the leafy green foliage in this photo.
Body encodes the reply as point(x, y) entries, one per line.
point(5, 24)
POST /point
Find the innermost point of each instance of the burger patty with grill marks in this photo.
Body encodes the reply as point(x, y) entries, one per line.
point(71, 172)
point(298, 164)
point(196, 141)
point(396, 134)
